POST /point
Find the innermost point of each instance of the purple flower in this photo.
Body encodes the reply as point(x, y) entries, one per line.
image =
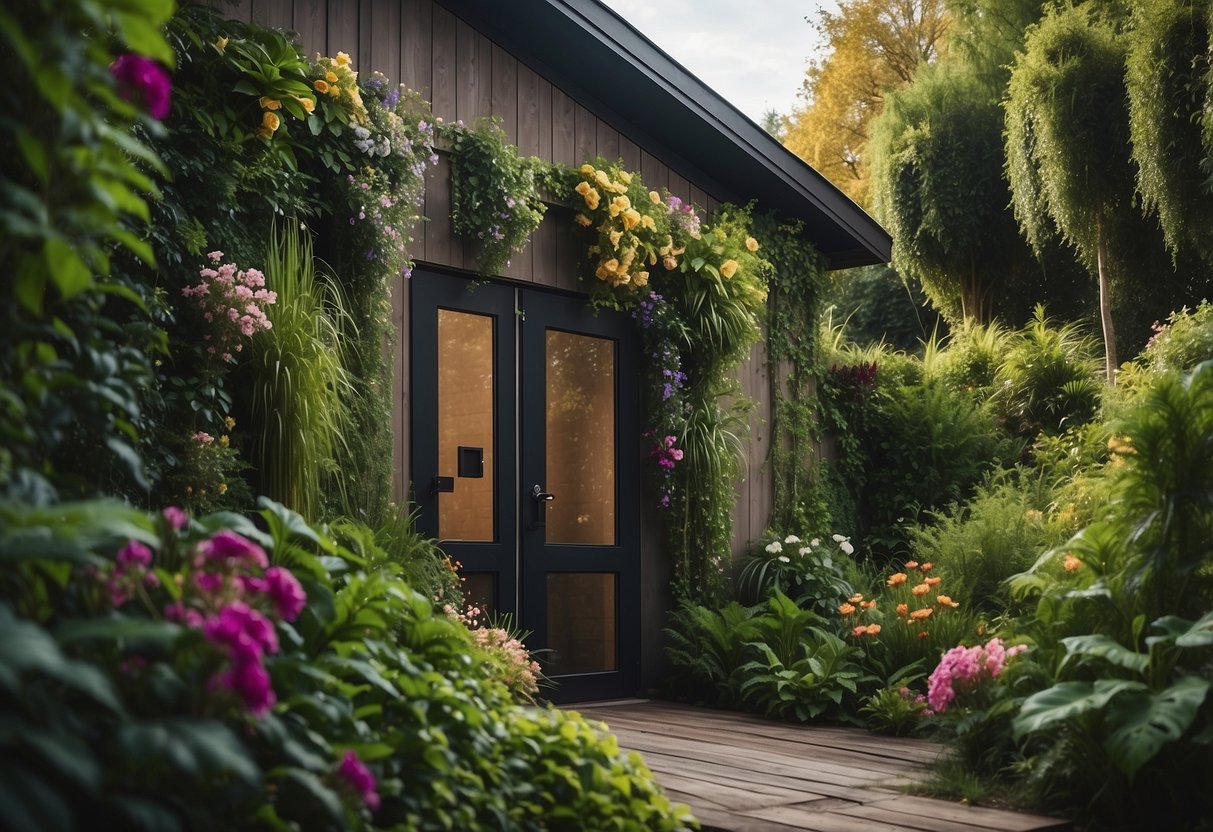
point(359, 778)
point(242, 630)
point(283, 587)
point(250, 681)
point(143, 76)
point(176, 517)
point(230, 549)
point(136, 554)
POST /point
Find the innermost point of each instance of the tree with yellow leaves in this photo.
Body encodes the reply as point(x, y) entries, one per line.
point(874, 46)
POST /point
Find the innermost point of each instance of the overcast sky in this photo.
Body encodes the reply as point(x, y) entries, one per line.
point(754, 53)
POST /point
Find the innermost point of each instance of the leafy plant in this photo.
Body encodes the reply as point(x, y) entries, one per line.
point(805, 571)
point(707, 647)
point(495, 204)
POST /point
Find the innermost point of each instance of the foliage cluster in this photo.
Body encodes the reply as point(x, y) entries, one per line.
point(365, 708)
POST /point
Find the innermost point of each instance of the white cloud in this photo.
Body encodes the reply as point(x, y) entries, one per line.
point(753, 54)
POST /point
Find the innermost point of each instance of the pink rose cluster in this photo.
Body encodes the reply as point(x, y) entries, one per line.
point(232, 302)
point(231, 594)
point(964, 668)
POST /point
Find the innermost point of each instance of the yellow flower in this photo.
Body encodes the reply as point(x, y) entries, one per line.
point(268, 103)
point(591, 197)
point(220, 45)
point(619, 204)
point(647, 222)
point(587, 169)
point(897, 579)
point(625, 177)
point(270, 121)
point(601, 273)
point(602, 179)
point(331, 77)
point(846, 609)
point(224, 440)
point(751, 244)
point(670, 263)
point(307, 104)
point(655, 197)
point(631, 217)
point(321, 86)
point(342, 59)
point(264, 133)
point(615, 235)
point(222, 489)
point(611, 265)
point(640, 279)
point(229, 422)
point(921, 589)
point(1071, 564)
point(728, 268)
point(583, 220)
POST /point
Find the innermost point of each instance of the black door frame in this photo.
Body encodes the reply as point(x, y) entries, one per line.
point(519, 556)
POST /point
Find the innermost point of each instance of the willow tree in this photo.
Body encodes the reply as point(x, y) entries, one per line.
point(1067, 141)
point(938, 187)
point(1168, 80)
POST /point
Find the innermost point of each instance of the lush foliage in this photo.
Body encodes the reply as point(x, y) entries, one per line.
point(495, 202)
point(166, 674)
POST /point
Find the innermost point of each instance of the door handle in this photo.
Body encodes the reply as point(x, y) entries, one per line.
point(541, 498)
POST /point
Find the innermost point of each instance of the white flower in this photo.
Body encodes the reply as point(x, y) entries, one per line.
point(847, 547)
point(783, 559)
point(805, 550)
point(791, 539)
point(839, 538)
point(815, 542)
point(774, 547)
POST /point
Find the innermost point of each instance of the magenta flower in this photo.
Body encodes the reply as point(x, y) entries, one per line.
point(359, 778)
point(250, 681)
point(243, 630)
point(231, 549)
point(146, 79)
point(135, 553)
point(283, 587)
point(176, 517)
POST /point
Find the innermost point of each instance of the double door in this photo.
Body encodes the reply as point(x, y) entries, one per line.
point(525, 468)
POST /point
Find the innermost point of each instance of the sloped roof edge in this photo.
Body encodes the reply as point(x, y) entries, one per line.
point(593, 53)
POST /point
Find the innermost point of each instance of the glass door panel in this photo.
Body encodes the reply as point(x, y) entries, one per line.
point(582, 615)
point(465, 426)
point(580, 439)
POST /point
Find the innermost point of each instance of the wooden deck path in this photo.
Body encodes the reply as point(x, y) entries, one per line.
point(745, 774)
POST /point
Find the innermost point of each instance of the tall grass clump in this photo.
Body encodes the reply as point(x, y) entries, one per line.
point(300, 387)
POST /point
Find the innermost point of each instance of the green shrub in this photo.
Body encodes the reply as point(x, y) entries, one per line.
point(133, 705)
point(1184, 341)
point(968, 359)
point(809, 572)
point(707, 649)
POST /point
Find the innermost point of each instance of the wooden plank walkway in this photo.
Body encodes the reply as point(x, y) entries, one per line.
point(745, 774)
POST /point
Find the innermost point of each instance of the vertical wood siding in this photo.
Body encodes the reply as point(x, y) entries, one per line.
point(466, 76)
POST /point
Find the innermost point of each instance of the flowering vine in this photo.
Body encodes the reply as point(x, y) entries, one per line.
point(232, 302)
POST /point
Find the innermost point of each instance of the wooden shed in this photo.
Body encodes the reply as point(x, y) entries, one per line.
point(544, 509)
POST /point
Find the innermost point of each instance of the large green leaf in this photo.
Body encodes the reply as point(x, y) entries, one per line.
point(28, 804)
point(195, 747)
point(1186, 633)
point(1067, 700)
point(1146, 721)
point(1108, 649)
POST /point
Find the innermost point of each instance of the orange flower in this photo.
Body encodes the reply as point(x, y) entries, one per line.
point(902, 609)
point(1071, 564)
point(931, 581)
point(846, 609)
point(269, 103)
point(946, 601)
point(856, 598)
point(583, 220)
point(927, 567)
point(867, 605)
point(873, 629)
point(919, 615)
point(923, 634)
point(911, 564)
point(321, 86)
point(921, 589)
point(868, 630)
point(897, 579)
point(860, 630)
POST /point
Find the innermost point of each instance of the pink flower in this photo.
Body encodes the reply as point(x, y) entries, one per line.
point(359, 778)
point(244, 631)
point(146, 78)
point(176, 517)
point(134, 553)
point(230, 549)
point(250, 681)
point(283, 587)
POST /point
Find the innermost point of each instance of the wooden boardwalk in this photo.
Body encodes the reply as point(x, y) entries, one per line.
point(741, 773)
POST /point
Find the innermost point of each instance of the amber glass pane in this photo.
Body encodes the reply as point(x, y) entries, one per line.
point(581, 622)
point(580, 439)
point(465, 417)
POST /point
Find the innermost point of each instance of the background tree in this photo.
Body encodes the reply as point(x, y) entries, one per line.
point(1167, 79)
point(874, 46)
point(1068, 144)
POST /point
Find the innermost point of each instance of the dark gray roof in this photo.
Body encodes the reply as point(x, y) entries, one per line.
point(599, 58)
